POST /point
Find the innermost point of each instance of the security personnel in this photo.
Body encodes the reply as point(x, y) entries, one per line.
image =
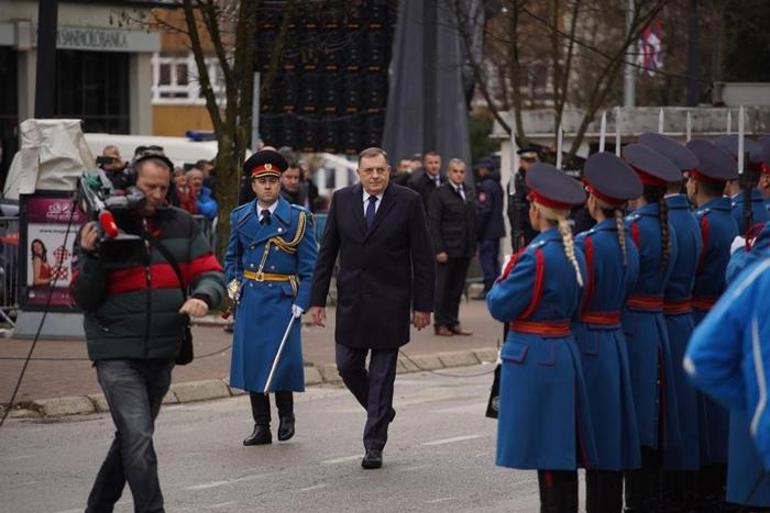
point(680, 462)
point(649, 350)
point(727, 358)
point(745, 218)
point(489, 198)
point(518, 206)
point(718, 230)
point(269, 267)
point(544, 421)
point(612, 268)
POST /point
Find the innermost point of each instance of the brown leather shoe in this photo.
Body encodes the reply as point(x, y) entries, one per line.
point(443, 331)
point(458, 330)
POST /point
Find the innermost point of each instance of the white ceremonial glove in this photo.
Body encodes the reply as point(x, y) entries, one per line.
point(738, 243)
point(296, 311)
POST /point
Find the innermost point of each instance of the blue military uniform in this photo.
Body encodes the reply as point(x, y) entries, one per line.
point(285, 247)
point(609, 278)
point(544, 421)
point(612, 268)
point(269, 267)
point(677, 303)
point(759, 213)
point(728, 358)
point(718, 229)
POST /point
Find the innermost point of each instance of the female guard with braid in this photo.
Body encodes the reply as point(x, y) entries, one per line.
point(544, 420)
point(649, 351)
point(612, 268)
point(682, 461)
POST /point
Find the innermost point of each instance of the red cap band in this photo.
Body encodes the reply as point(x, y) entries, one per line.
point(603, 197)
point(549, 203)
point(266, 169)
point(701, 177)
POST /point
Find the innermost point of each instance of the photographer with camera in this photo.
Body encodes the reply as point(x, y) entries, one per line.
point(136, 316)
point(114, 167)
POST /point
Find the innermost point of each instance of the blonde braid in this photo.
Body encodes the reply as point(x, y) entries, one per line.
point(621, 226)
point(664, 235)
point(569, 246)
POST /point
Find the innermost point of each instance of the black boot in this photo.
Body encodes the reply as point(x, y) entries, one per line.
point(558, 491)
point(604, 491)
point(637, 494)
point(260, 436)
point(286, 428)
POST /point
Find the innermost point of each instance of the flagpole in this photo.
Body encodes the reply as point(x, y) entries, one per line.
point(617, 131)
point(629, 82)
point(660, 121)
point(689, 126)
point(729, 122)
point(740, 140)
point(603, 134)
point(559, 141)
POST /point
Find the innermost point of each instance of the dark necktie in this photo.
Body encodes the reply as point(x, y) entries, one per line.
point(370, 211)
point(265, 217)
point(461, 192)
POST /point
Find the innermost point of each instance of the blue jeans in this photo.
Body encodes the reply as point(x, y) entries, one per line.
point(134, 390)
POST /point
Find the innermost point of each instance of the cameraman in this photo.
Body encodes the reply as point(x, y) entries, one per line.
point(135, 318)
point(111, 162)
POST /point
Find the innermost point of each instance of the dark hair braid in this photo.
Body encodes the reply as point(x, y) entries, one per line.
point(656, 194)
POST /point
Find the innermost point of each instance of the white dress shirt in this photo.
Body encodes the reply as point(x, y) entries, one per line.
point(376, 203)
point(271, 209)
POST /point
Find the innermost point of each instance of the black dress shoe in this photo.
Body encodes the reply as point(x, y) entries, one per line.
point(372, 459)
point(260, 436)
point(286, 428)
point(392, 415)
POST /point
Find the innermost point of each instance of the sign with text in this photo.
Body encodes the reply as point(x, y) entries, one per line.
point(49, 224)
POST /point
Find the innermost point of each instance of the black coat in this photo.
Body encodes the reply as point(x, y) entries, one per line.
point(384, 273)
point(453, 222)
point(424, 185)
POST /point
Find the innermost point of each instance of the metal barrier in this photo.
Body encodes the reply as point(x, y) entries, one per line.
point(9, 268)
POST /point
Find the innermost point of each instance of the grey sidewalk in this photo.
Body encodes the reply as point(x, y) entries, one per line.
point(59, 385)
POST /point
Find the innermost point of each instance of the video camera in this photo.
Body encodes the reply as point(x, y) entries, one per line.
point(98, 199)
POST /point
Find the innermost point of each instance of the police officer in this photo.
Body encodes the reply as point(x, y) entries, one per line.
point(489, 198)
point(544, 421)
point(718, 230)
point(269, 266)
point(612, 268)
point(727, 358)
point(649, 351)
point(680, 462)
point(518, 206)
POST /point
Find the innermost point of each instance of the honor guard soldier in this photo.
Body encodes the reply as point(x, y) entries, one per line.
point(728, 358)
point(680, 462)
point(649, 350)
point(269, 266)
point(737, 190)
point(544, 418)
point(612, 268)
point(705, 186)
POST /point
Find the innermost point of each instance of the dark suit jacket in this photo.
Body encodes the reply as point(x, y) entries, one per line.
point(384, 273)
point(453, 222)
point(423, 184)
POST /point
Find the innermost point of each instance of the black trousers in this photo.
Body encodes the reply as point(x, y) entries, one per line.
point(373, 388)
point(134, 389)
point(260, 406)
point(450, 283)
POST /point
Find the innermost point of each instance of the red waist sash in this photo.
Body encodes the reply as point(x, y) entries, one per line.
point(546, 328)
point(646, 302)
point(602, 318)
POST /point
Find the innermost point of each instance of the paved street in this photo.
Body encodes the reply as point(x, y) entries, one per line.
point(439, 458)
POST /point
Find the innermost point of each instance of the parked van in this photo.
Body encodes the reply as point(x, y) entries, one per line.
point(181, 150)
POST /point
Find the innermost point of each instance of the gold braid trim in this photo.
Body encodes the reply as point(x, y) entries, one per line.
point(291, 246)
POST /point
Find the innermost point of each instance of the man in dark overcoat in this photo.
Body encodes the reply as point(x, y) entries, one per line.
point(385, 279)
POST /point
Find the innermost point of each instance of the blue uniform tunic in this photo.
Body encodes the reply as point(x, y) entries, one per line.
point(649, 351)
point(285, 246)
point(544, 420)
point(718, 229)
point(678, 314)
point(603, 351)
point(759, 214)
point(740, 259)
point(729, 358)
